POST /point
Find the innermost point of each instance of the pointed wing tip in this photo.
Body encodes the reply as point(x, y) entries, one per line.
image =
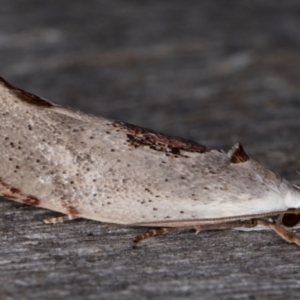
point(5, 83)
point(25, 96)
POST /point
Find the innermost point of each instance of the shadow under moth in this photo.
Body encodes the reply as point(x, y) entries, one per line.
point(94, 168)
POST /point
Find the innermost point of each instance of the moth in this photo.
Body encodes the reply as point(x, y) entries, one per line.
point(94, 168)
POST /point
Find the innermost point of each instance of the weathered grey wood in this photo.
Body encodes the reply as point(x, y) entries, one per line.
point(214, 71)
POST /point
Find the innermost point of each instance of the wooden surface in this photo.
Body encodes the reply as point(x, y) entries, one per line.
point(214, 71)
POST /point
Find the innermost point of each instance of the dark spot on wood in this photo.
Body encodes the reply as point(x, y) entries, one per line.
point(32, 200)
point(238, 154)
point(29, 127)
point(143, 137)
point(290, 220)
point(154, 208)
point(26, 96)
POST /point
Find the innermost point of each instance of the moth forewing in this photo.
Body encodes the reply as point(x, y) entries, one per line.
point(110, 171)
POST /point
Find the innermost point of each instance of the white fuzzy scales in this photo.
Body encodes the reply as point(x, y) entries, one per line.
point(114, 172)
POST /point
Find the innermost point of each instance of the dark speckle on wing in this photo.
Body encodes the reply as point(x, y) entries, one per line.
point(141, 137)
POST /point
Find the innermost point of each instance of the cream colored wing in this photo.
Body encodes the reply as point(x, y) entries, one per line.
point(115, 172)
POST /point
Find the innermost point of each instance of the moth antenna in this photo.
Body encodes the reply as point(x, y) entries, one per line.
point(296, 186)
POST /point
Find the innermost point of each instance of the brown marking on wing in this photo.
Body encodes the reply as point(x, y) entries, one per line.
point(26, 96)
point(10, 196)
point(12, 193)
point(71, 210)
point(32, 200)
point(140, 137)
point(15, 191)
point(238, 154)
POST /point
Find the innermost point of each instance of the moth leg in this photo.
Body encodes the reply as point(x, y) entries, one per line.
point(153, 232)
point(228, 225)
point(56, 220)
point(285, 234)
point(204, 227)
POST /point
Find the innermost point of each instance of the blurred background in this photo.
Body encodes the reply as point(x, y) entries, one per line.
point(213, 71)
